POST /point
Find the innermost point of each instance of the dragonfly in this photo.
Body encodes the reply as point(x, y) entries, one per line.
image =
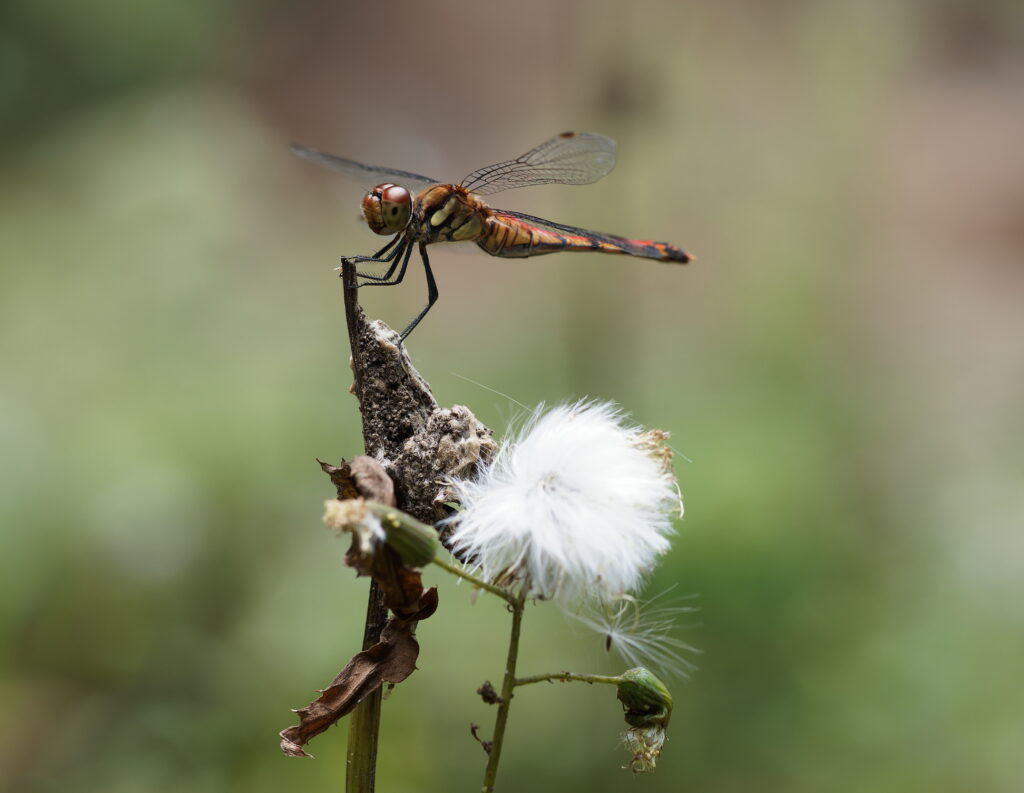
point(442, 212)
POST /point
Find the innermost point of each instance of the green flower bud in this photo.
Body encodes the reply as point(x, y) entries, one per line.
point(646, 699)
point(416, 543)
point(648, 705)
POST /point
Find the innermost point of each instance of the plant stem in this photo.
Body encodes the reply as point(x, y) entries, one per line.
point(498, 738)
point(565, 677)
point(364, 728)
point(396, 406)
point(361, 752)
point(504, 594)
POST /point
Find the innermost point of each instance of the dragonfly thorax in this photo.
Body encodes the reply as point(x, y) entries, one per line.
point(448, 213)
point(387, 208)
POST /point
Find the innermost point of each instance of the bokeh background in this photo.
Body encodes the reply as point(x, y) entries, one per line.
point(843, 369)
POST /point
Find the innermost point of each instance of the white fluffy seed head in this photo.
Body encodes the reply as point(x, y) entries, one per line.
point(577, 506)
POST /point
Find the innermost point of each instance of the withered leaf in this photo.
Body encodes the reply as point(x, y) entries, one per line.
point(402, 585)
point(361, 477)
point(391, 660)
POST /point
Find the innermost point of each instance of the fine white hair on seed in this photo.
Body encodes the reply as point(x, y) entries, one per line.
point(641, 632)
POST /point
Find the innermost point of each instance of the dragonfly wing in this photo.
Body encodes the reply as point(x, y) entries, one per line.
point(569, 158)
point(369, 175)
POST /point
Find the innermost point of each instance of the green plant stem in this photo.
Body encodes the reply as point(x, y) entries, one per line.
point(504, 594)
point(364, 726)
point(566, 677)
point(361, 752)
point(498, 738)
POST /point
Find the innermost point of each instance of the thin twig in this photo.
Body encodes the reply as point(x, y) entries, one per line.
point(498, 738)
point(566, 677)
point(477, 582)
point(351, 298)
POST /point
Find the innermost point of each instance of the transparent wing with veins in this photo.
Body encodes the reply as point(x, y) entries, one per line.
point(366, 174)
point(569, 158)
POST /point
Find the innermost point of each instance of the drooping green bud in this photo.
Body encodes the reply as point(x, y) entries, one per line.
point(648, 705)
point(646, 699)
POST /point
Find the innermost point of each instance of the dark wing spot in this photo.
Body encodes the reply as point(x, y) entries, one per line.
point(567, 135)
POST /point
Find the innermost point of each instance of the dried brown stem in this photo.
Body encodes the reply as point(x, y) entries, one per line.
point(364, 729)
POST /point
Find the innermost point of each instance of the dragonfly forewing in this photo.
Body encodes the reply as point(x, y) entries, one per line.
point(569, 158)
point(368, 175)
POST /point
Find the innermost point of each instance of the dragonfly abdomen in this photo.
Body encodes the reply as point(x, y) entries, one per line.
point(515, 237)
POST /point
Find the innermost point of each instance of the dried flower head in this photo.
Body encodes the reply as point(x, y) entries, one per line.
point(372, 524)
point(351, 515)
point(577, 506)
point(646, 744)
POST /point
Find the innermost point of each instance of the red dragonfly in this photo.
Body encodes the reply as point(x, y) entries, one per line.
point(455, 212)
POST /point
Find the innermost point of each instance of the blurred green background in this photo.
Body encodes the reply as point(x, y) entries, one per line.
point(843, 368)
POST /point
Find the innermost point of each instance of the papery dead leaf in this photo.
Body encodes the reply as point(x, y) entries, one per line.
point(391, 660)
point(401, 585)
point(361, 477)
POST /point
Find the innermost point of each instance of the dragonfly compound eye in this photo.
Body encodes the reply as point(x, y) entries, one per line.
point(387, 208)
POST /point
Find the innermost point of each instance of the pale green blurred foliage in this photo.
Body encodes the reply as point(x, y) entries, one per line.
point(843, 365)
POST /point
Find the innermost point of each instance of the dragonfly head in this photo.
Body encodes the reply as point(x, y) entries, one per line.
point(387, 208)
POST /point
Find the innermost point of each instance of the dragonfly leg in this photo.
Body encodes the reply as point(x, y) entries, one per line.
point(393, 258)
point(431, 293)
point(380, 258)
point(375, 257)
point(382, 280)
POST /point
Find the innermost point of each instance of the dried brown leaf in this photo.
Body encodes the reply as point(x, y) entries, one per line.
point(361, 477)
point(401, 584)
point(364, 478)
point(391, 660)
